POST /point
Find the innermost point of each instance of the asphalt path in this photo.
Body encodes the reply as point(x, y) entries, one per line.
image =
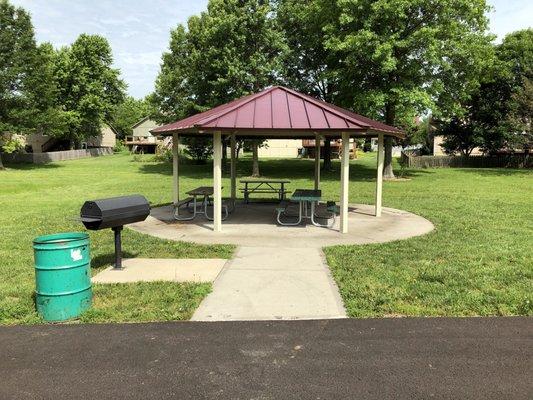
point(411, 358)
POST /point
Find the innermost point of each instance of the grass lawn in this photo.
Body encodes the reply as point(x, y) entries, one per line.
point(476, 262)
point(37, 200)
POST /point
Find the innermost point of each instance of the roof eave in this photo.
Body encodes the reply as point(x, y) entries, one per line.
point(276, 132)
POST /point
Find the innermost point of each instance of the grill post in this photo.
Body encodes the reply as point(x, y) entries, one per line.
point(118, 247)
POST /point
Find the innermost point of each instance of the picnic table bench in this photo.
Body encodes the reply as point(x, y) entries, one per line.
point(255, 185)
point(303, 198)
point(200, 207)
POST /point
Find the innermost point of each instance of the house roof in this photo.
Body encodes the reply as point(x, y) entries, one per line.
point(139, 122)
point(278, 111)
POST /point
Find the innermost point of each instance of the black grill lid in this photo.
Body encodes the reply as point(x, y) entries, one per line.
point(114, 212)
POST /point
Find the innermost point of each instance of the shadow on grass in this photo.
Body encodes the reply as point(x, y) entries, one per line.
point(288, 169)
point(105, 260)
point(490, 172)
point(30, 167)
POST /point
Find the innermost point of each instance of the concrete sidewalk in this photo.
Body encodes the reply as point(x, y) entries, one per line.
point(434, 358)
point(265, 283)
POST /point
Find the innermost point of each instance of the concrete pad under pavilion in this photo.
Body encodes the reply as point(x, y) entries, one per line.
point(254, 224)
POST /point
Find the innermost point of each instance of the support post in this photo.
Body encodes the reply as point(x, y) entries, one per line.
point(118, 247)
point(379, 177)
point(233, 167)
point(345, 179)
point(317, 161)
point(217, 181)
point(175, 172)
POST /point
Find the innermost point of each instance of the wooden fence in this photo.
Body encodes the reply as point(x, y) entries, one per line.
point(44, 158)
point(477, 161)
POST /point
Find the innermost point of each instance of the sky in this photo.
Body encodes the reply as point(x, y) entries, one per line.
point(139, 30)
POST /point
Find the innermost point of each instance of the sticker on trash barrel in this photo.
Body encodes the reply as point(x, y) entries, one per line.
point(76, 255)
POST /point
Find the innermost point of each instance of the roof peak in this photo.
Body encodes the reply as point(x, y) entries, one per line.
point(278, 108)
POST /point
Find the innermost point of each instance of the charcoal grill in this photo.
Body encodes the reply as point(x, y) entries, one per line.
point(114, 213)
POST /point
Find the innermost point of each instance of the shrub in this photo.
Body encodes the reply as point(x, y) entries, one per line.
point(199, 148)
point(163, 155)
point(13, 146)
point(119, 147)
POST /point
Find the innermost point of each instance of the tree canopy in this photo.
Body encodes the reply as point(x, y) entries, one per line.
point(400, 58)
point(89, 87)
point(128, 113)
point(498, 113)
point(66, 93)
point(228, 51)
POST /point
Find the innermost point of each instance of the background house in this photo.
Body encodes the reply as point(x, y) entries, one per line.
point(108, 138)
point(438, 149)
point(281, 148)
point(141, 140)
point(39, 143)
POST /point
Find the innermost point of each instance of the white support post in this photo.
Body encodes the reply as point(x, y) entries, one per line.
point(175, 172)
point(345, 179)
point(317, 161)
point(233, 168)
point(217, 181)
point(379, 177)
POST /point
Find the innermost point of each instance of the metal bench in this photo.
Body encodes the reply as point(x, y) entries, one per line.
point(181, 203)
point(228, 206)
point(291, 210)
point(325, 211)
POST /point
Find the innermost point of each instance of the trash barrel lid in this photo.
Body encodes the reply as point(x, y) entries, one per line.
point(61, 238)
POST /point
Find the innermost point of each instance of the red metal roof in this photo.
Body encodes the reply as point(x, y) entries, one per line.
point(278, 109)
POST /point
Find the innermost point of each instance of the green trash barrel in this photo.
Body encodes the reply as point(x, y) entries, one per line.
point(62, 275)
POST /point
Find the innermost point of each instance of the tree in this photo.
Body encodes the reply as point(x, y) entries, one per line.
point(128, 113)
point(28, 94)
point(462, 135)
point(398, 59)
point(307, 65)
point(230, 50)
point(18, 52)
point(516, 50)
point(498, 114)
point(89, 88)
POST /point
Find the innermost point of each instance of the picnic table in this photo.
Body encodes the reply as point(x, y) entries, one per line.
point(255, 185)
point(306, 197)
point(308, 200)
point(202, 192)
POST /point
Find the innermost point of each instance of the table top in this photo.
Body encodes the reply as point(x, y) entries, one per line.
point(201, 191)
point(266, 180)
point(306, 195)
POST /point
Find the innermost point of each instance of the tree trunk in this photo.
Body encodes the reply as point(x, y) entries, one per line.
point(224, 155)
point(238, 149)
point(1, 164)
point(255, 158)
point(327, 154)
point(390, 117)
point(388, 173)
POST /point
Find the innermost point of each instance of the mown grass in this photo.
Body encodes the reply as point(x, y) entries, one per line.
point(476, 262)
point(37, 200)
